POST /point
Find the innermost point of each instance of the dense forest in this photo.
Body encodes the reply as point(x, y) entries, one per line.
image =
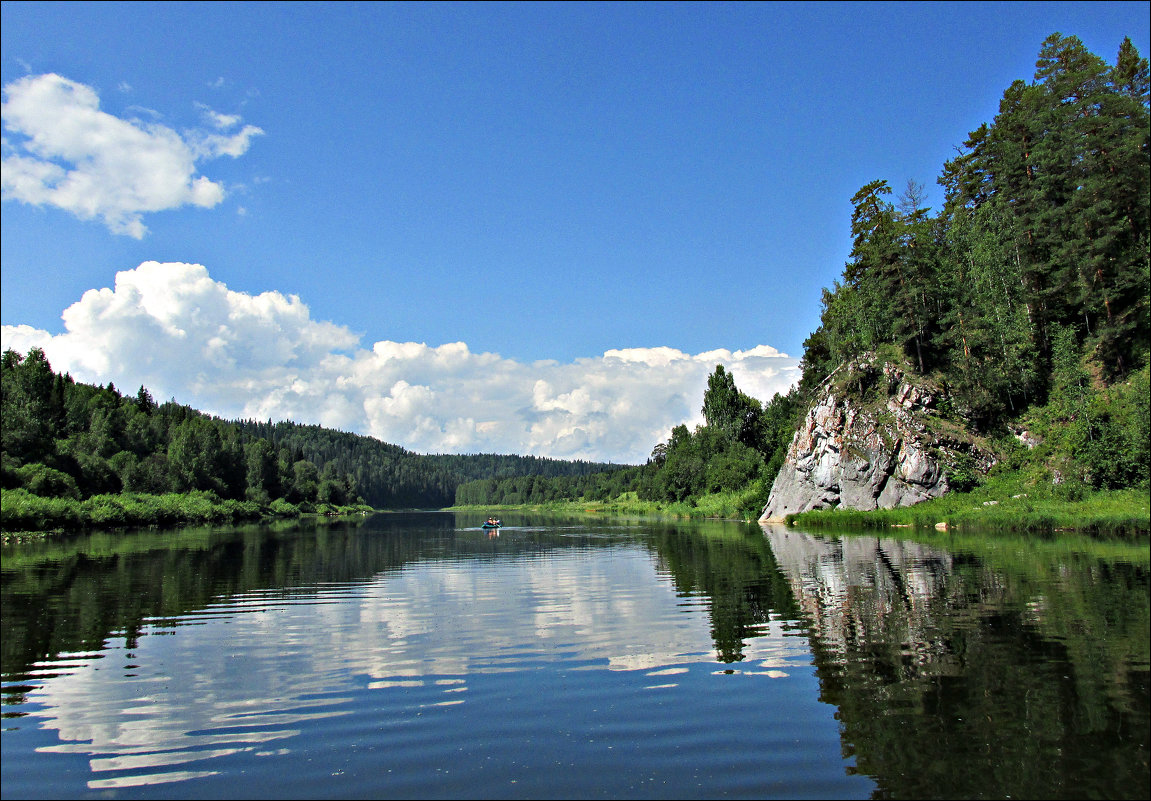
point(1026, 296)
point(1043, 234)
point(390, 477)
point(67, 440)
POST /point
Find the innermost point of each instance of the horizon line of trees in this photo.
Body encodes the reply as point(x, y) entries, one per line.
point(739, 448)
point(389, 476)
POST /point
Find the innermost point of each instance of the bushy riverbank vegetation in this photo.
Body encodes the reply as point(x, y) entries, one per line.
point(992, 508)
point(996, 506)
point(22, 511)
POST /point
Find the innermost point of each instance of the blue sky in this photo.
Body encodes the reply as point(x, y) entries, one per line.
point(544, 183)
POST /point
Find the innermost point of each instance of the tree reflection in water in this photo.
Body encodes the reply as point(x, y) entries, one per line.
point(1008, 668)
point(958, 668)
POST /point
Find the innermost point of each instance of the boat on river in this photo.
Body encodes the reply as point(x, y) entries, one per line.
point(491, 523)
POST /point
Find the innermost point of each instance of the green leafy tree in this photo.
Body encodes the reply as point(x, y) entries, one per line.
point(29, 404)
point(263, 475)
point(731, 412)
point(195, 456)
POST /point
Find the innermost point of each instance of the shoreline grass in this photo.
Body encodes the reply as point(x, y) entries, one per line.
point(1002, 505)
point(23, 513)
point(721, 506)
point(1114, 512)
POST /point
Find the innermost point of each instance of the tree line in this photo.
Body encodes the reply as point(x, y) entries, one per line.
point(66, 439)
point(739, 449)
point(389, 476)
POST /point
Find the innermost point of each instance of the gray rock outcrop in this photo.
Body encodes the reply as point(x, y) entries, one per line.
point(878, 452)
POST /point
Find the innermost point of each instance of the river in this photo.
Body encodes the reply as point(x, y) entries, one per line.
point(415, 655)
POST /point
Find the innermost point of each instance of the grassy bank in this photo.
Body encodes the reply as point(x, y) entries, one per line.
point(1000, 508)
point(742, 505)
point(1005, 504)
point(22, 511)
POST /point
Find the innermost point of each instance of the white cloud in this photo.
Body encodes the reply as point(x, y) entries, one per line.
point(222, 122)
point(175, 330)
point(71, 155)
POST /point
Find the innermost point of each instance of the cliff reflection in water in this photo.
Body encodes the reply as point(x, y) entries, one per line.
point(1005, 668)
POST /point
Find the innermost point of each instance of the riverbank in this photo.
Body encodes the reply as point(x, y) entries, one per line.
point(724, 506)
point(1115, 512)
point(23, 512)
point(1007, 506)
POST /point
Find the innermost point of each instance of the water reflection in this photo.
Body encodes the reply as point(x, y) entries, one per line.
point(415, 655)
point(994, 667)
point(231, 647)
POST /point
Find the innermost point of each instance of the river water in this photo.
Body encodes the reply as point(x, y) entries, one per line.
point(414, 655)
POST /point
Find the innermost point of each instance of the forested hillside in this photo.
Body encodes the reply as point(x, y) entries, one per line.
point(1043, 234)
point(1027, 294)
point(388, 476)
point(1026, 297)
point(66, 439)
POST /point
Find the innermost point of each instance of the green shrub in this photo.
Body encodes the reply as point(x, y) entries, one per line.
point(962, 474)
point(105, 511)
point(20, 510)
point(47, 482)
point(282, 508)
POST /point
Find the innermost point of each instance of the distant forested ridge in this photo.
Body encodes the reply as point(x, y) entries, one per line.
point(388, 476)
point(1026, 297)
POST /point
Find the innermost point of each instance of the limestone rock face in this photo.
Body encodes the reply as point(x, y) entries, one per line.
point(873, 454)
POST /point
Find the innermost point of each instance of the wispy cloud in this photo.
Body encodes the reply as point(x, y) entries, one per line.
point(175, 330)
point(69, 154)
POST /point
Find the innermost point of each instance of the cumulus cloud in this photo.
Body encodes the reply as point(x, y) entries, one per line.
point(182, 334)
point(69, 154)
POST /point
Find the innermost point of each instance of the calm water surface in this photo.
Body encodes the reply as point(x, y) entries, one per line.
point(417, 656)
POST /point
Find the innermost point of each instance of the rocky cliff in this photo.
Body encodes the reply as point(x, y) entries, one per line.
point(874, 439)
